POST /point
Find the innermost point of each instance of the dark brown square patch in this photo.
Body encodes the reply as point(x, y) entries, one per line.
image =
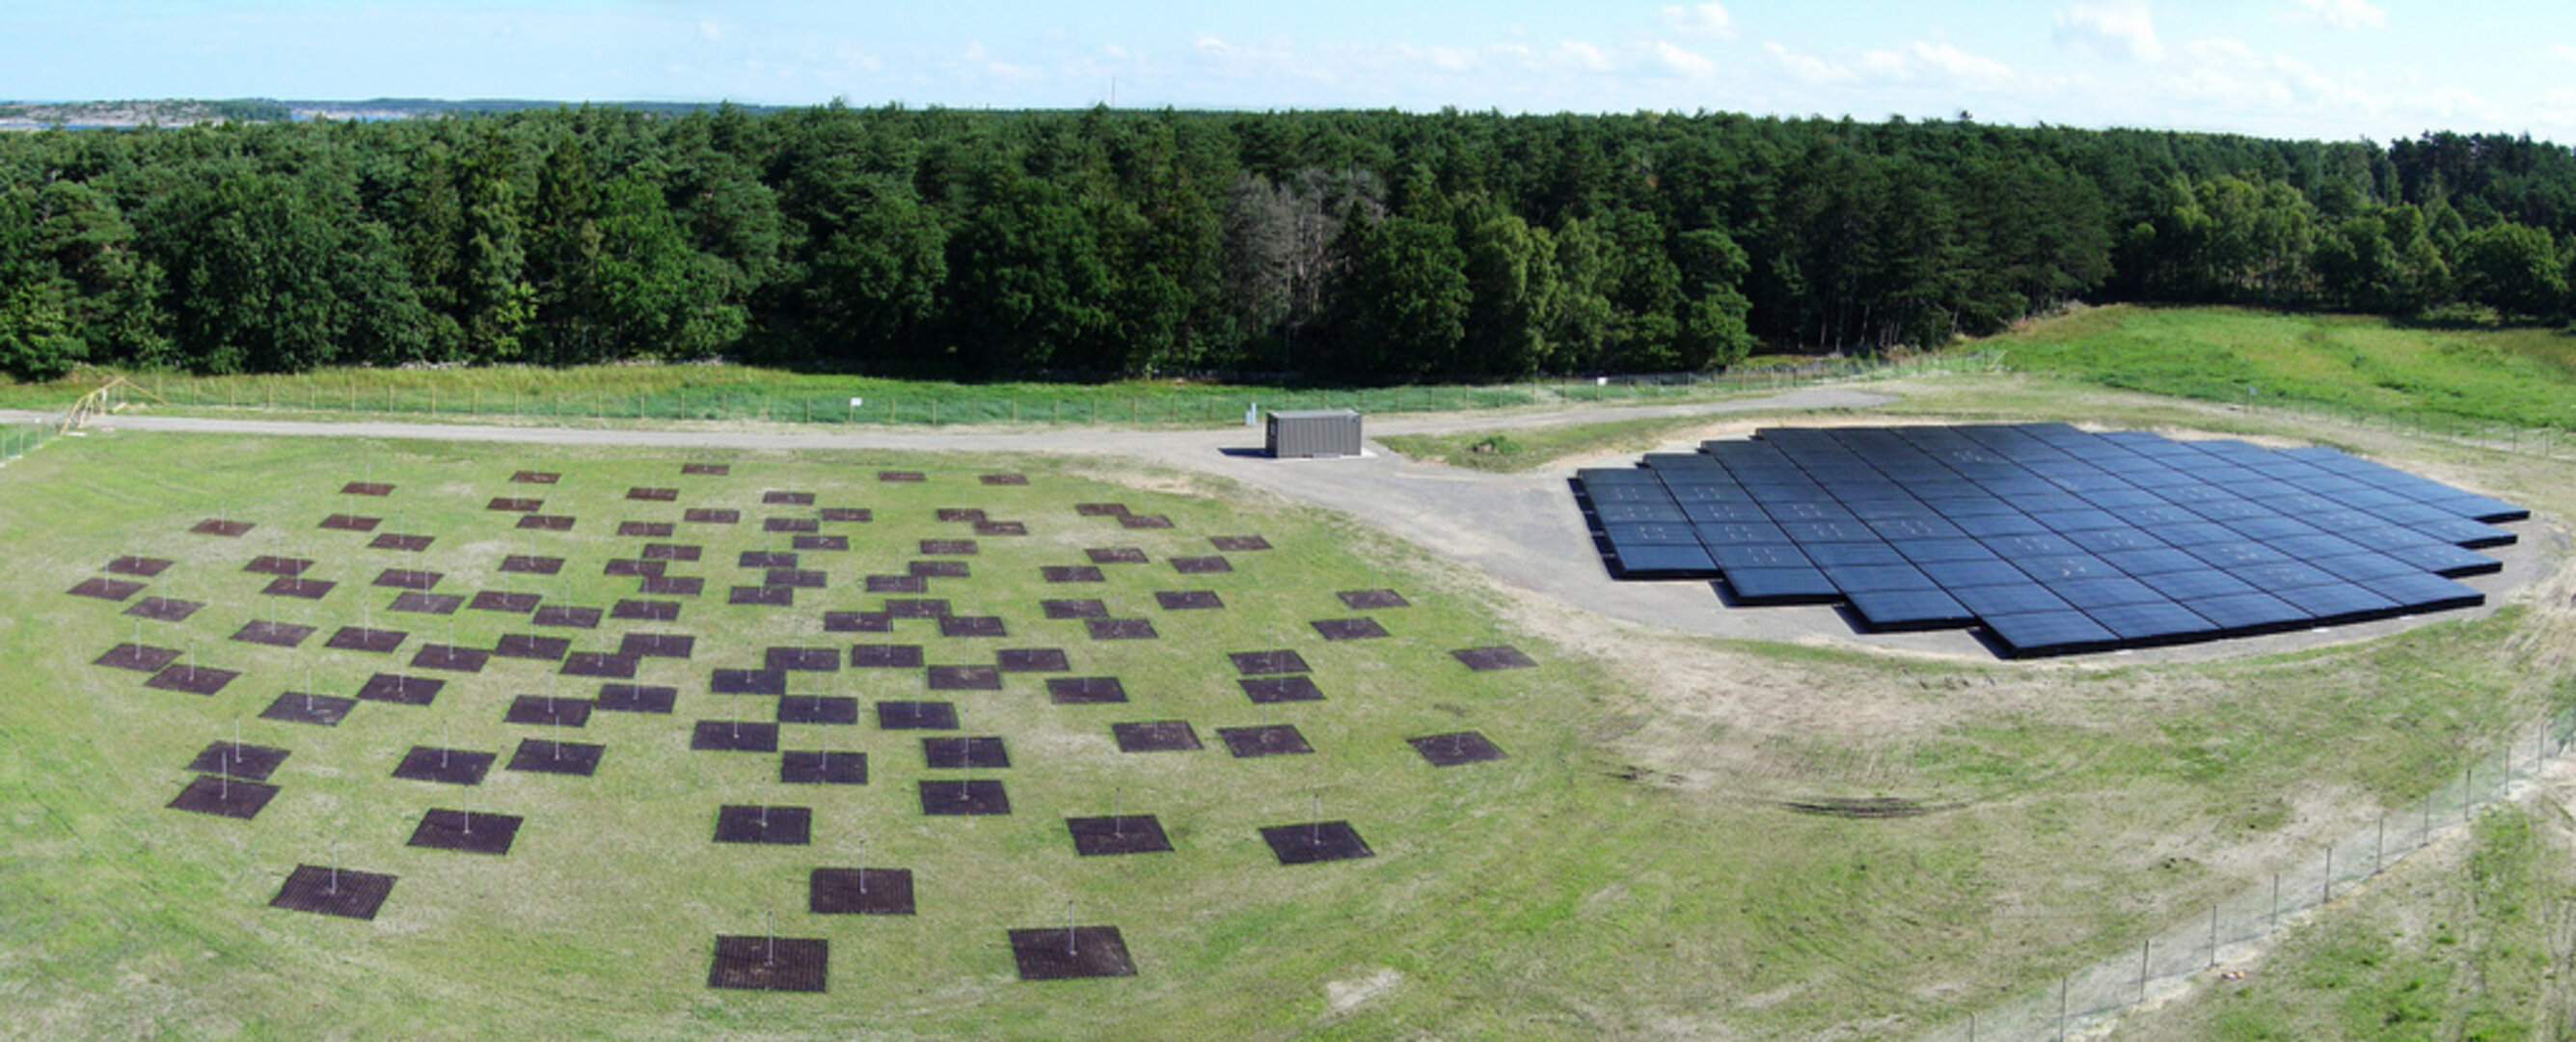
point(400, 690)
point(673, 551)
point(1266, 690)
point(671, 585)
point(274, 633)
point(899, 475)
point(948, 548)
point(195, 680)
point(644, 529)
point(1256, 663)
point(653, 495)
point(303, 589)
point(885, 656)
point(427, 603)
point(366, 488)
point(788, 826)
point(1071, 573)
point(636, 698)
point(289, 567)
point(1238, 543)
point(1371, 600)
point(897, 584)
point(451, 658)
point(146, 567)
point(1100, 509)
point(542, 711)
point(1155, 736)
point(809, 660)
point(980, 753)
point(1316, 841)
point(777, 497)
point(223, 797)
point(857, 622)
point(826, 543)
point(107, 589)
point(225, 529)
point(514, 505)
point(704, 516)
point(535, 477)
point(1201, 565)
point(1075, 609)
point(963, 797)
point(795, 578)
point(1123, 834)
point(1001, 528)
point(961, 514)
point(1498, 657)
point(1059, 953)
point(972, 626)
point(1003, 479)
point(466, 831)
point(1144, 521)
point(241, 762)
point(1188, 600)
point(848, 514)
point(405, 543)
point(300, 708)
point(817, 709)
point(616, 665)
point(739, 736)
point(141, 658)
point(351, 523)
point(713, 470)
point(658, 645)
point(1085, 691)
point(547, 522)
point(916, 716)
point(822, 767)
point(505, 601)
point(331, 890)
point(859, 891)
point(965, 678)
point(770, 963)
point(164, 609)
point(1270, 740)
point(772, 596)
point(1450, 750)
point(1121, 629)
point(1032, 660)
point(369, 641)
point(1116, 555)
point(937, 569)
point(1349, 629)
point(789, 524)
point(748, 682)
point(446, 766)
point(524, 564)
point(532, 646)
point(566, 617)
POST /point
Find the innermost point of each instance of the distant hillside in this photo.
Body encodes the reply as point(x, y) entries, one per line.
point(184, 112)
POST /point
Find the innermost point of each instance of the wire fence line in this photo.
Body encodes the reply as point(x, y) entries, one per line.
point(1176, 407)
point(18, 439)
point(2083, 1001)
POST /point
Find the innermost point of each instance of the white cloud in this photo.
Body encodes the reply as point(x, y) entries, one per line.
point(1710, 18)
point(2110, 29)
point(2335, 14)
point(1807, 68)
point(1684, 60)
point(1211, 45)
point(712, 32)
point(1586, 55)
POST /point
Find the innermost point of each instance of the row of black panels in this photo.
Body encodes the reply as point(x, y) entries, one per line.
point(2054, 539)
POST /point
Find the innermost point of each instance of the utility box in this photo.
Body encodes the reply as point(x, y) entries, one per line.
point(1314, 434)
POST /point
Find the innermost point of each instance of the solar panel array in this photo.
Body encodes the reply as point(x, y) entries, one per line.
point(2052, 539)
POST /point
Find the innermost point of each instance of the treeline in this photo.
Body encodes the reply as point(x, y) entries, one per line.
point(1362, 246)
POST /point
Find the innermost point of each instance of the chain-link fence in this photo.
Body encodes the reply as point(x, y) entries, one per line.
point(18, 439)
point(476, 395)
point(2079, 1001)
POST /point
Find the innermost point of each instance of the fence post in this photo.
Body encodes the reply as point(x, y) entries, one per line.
point(2146, 948)
point(2276, 904)
point(2213, 936)
point(2329, 884)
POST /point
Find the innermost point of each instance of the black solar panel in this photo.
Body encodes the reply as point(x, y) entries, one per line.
point(2058, 540)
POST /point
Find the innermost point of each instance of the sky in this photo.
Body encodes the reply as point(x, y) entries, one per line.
point(2330, 69)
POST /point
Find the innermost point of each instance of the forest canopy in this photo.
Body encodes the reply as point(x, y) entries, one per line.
point(1344, 246)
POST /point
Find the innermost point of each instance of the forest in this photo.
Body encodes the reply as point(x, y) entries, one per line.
point(1343, 246)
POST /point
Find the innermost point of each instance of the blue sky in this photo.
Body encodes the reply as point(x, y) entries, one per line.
point(2298, 68)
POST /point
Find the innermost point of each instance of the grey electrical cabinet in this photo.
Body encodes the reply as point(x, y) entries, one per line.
point(1313, 433)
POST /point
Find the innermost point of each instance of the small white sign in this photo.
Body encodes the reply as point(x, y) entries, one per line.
point(856, 402)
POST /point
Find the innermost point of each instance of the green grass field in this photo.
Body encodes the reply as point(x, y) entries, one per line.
point(1530, 448)
point(2522, 377)
point(1628, 872)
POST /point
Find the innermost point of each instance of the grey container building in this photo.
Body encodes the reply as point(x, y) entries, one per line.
point(1312, 433)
